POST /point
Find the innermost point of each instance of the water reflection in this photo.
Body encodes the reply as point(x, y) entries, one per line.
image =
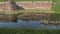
point(28, 24)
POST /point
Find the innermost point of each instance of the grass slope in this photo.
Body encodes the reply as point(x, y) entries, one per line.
point(27, 31)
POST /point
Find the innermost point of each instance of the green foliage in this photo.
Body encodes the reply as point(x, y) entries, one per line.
point(55, 16)
point(56, 5)
point(27, 31)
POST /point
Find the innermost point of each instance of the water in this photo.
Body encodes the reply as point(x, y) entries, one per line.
point(28, 24)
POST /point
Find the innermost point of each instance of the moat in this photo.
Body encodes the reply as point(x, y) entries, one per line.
point(28, 24)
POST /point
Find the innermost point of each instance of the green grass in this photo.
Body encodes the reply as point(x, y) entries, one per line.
point(56, 6)
point(27, 31)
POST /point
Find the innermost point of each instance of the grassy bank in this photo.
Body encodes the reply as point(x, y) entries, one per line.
point(27, 31)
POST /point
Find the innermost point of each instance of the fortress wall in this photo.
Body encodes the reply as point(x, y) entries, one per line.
point(27, 5)
point(5, 7)
point(35, 5)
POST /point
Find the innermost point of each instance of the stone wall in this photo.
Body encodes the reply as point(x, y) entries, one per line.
point(35, 5)
point(5, 6)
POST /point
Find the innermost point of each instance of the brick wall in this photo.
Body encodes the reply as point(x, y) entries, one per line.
point(27, 5)
point(36, 5)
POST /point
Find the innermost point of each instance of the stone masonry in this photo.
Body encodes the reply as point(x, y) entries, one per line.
point(45, 5)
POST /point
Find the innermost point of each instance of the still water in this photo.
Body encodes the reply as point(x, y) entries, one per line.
point(28, 24)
